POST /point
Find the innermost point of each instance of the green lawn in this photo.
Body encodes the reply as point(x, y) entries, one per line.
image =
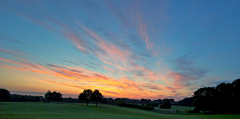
point(29, 110)
point(181, 109)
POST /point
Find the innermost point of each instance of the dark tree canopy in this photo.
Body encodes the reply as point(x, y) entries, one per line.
point(187, 101)
point(236, 86)
point(85, 95)
point(49, 96)
point(81, 97)
point(53, 96)
point(166, 104)
point(206, 91)
point(56, 96)
point(224, 98)
point(225, 89)
point(96, 96)
point(4, 95)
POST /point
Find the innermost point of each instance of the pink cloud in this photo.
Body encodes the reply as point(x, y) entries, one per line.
point(143, 30)
point(179, 80)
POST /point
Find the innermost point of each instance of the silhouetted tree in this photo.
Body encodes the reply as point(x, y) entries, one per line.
point(224, 98)
point(4, 95)
point(225, 89)
point(85, 95)
point(36, 98)
point(186, 101)
point(205, 98)
point(236, 93)
point(236, 86)
point(59, 96)
point(81, 97)
point(49, 96)
point(96, 96)
point(166, 104)
point(104, 101)
point(56, 96)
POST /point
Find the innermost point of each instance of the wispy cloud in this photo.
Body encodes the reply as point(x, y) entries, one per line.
point(142, 27)
point(80, 75)
point(6, 38)
point(185, 70)
point(115, 11)
point(121, 54)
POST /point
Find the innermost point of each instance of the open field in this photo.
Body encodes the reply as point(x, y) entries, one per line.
point(25, 110)
point(181, 109)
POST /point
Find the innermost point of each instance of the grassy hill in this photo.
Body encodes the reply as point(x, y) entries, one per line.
point(20, 110)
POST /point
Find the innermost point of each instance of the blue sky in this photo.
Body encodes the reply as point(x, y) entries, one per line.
point(134, 49)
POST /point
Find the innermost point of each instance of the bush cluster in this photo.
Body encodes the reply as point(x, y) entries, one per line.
point(144, 107)
point(165, 105)
point(195, 110)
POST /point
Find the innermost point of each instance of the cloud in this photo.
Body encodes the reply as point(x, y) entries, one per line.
point(125, 58)
point(28, 93)
point(6, 38)
point(14, 52)
point(117, 14)
point(153, 86)
point(122, 87)
point(184, 71)
point(86, 40)
point(143, 30)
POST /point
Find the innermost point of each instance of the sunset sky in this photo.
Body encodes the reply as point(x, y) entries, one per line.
point(137, 49)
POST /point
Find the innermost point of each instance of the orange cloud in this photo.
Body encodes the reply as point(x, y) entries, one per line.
point(119, 88)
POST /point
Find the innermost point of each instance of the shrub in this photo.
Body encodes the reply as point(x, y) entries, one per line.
point(146, 107)
point(121, 102)
point(165, 105)
point(195, 110)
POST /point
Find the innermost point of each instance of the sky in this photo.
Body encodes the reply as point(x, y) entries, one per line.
point(152, 49)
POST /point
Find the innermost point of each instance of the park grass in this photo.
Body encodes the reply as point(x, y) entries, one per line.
point(181, 109)
point(29, 110)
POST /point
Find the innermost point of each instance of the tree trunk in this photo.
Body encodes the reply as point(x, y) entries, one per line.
point(96, 103)
point(87, 103)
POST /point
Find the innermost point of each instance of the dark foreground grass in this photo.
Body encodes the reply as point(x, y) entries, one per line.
point(29, 110)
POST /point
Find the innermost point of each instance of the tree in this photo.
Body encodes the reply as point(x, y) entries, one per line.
point(104, 101)
point(224, 98)
point(236, 86)
point(186, 101)
point(49, 96)
point(4, 95)
point(166, 104)
point(56, 96)
point(37, 99)
point(96, 96)
point(205, 99)
point(59, 96)
point(236, 94)
point(225, 90)
point(81, 97)
point(85, 95)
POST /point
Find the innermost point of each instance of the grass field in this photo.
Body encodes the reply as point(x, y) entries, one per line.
point(20, 110)
point(181, 109)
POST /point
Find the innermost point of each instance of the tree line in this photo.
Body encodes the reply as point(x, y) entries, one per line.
point(6, 96)
point(53, 96)
point(223, 98)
